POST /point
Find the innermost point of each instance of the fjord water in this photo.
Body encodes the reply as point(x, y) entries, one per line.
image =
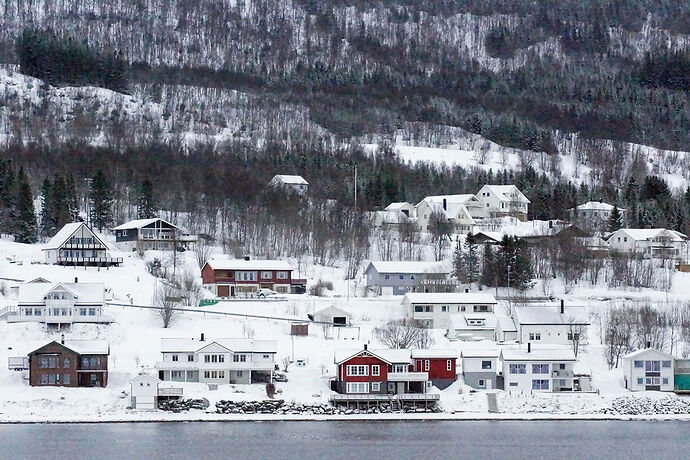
point(608, 440)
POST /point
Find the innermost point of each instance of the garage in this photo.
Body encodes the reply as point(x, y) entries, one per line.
point(223, 291)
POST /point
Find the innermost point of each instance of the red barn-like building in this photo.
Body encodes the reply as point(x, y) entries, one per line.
point(387, 371)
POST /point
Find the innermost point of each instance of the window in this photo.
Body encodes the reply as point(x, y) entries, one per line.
point(518, 368)
point(240, 373)
point(375, 386)
point(214, 358)
point(64, 312)
point(444, 308)
point(462, 308)
point(190, 358)
point(266, 356)
point(207, 358)
point(56, 312)
point(411, 277)
point(92, 312)
point(486, 364)
point(639, 364)
point(175, 375)
point(266, 275)
point(282, 275)
point(357, 370)
point(399, 368)
point(375, 370)
point(652, 380)
point(245, 276)
point(357, 387)
point(221, 374)
point(82, 312)
point(540, 368)
point(665, 363)
point(664, 381)
point(387, 276)
point(221, 358)
point(640, 381)
point(429, 309)
point(540, 384)
point(66, 363)
point(449, 365)
point(239, 358)
point(207, 374)
point(573, 336)
point(66, 380)
point(401, 276)
point(535, 335)
point(481, 383)
point(174, 358)
point(652, 366)
point(426, 365)
point(29, 312)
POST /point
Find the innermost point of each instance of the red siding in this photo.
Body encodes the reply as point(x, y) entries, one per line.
point(211, 276)
point(437, 367)
point(363, 360)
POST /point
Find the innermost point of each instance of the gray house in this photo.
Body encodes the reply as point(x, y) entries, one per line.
point(398, 278)
point(480, 368)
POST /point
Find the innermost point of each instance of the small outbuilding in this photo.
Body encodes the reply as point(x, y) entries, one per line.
point(334, 315)
point(144, 391)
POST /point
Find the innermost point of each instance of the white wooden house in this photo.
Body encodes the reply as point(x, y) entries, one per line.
point(649, 370)
point(433, 310)
point(333, 315)
point(240, 361)
point(480, 367)
point(472, 326)
point(650, 243)
point(538, 368)
point(459, 210)
point(291, 182)
point(558, 324)
point(503, 200)
point(593, 214)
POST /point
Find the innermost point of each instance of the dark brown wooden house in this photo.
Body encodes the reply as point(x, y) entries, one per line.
point(73, 363)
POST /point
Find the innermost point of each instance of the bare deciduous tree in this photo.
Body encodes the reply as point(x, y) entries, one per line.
point(404, 333)
point(168, 302)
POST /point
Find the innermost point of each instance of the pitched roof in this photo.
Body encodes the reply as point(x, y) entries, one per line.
point(171, 345)
point(66, 232)
point(538, 353)
point(398, 206)
point(504, 190)
point(330, 309)
point(289, 179)
point(139, 223)
point(641, 234)
point(595, 206)
point(84, 293)
point(435, 353)
point(241, 264)
point(388, 355)
point(450, 297)
point(487, 352)
point(642, 351)
point(406, 267)
point(460, 321)
point(550, 314)
point(83, 347)
point(455, 204)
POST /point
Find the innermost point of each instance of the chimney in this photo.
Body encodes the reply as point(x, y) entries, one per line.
point(365, 347)
point(62, 339)
point(202, 337)
point(562, 306)
point(246, 258)
point(529, 347)
point(76, 280)
point(445, 205)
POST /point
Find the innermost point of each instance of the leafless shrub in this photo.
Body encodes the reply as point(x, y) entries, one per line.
point(168, 301)
point(404, 333)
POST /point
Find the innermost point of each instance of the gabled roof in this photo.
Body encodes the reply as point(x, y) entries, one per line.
point(435, 353)
point(450, 297)
point(37, 280)
point(460, 321)
point(550, 314)
point(66, 233)
point(389, 356)
point(407, 267)
point(456, 205)
point(84, 293)
point(538, 353)
point(140, 223)
point(182, 345)
point(503, 191)
point(288, 179)
point(637, 353)
point(643, 234)
point(398, 206)
point(241, 264)
point(81, 347)
point(479, 353)
point(595, 206)
point(391, 217)
point(331, 309)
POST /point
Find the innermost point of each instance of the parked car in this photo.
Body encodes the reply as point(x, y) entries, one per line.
point(279, 377)
point(265, 292)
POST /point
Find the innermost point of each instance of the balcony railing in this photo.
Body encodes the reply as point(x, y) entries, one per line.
point(83, 246)
point(562, 373)
point(408, 376)
point(89, 260)
point(169, 391)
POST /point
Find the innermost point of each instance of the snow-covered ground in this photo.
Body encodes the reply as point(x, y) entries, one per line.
point(135, 343)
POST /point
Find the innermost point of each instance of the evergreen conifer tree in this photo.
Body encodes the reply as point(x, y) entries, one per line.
point(147, 206)
point(8, 194)
point(60, 204)
point(101, 202)
point(72, 200)
point(26, 228)
point(615, 220)
point(47, 227)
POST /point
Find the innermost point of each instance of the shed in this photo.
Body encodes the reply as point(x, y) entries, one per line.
point(144, 391)
point(299, 328)
point(334, 315)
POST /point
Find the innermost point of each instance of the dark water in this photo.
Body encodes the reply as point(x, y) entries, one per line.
point(349, 440)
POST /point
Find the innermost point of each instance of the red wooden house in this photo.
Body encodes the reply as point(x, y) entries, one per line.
point(72, 363)
point(388, 371)
point(244, 277)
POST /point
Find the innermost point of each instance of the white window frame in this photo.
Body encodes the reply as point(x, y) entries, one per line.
point(375, 370)
point(357, 387)
point(375, 386)
point(449, 365)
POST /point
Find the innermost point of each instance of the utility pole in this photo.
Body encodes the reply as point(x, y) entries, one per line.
point(355, 187)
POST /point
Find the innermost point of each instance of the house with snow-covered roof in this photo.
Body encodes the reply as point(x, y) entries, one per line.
point(593, 214)
point(459, 210)
point(503, 200)
point(402, 207)
point(152, 234)
point(649, 369)
point(241, 361)
point(77, 244)
point(392, 371)
point(658, 243)
point(538, 368)
point(551, 323)
point(389, 219)
point(70, 363)
point(400, 277)
point(294, 183)
point(480, 367)
point(471, 326)
point(60, 304)
point(433, 310)
point(244, 277)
